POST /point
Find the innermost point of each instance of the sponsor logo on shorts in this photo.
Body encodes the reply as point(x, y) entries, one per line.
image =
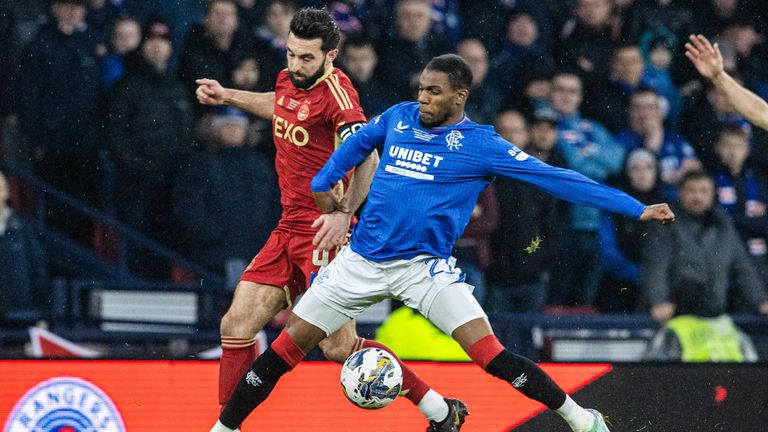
point(64, 404)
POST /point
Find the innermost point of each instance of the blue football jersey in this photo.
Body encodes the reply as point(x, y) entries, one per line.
point(428, 181)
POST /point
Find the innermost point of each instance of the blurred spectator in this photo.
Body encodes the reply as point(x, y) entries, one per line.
point(750, 49)
point(148, 131)
point(59, 110)
point(608, 99)
point(347, 16)
point(126, 37)
point(660, 27)
point(646, 130)
point(691, 266)
point(715, 15)
point(7, 51)
point(691, 338)
point(704, 116)
point(589, 149)
point(272, 37)
point(533, 84)
point(621, 238)
point(445, 19)
point(484, 101)
point(27, 18)
point(587, 39)
point(649, 18)
point(406, 52)
point(473, 249)
point(534, 248)
point(520, 47)
point(359, 60)
point(212, 47)
point(217, 192)
point(182, 15)
point(247, 76)
point(251, 13)
point(24, 279)
point(487, 19)
point(741, 192)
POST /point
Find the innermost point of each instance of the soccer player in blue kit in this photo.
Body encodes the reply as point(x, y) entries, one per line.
point(435, 162)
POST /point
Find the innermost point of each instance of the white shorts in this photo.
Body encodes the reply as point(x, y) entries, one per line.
point(351, 283)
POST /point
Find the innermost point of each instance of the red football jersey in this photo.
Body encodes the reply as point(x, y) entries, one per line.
point(304, 129)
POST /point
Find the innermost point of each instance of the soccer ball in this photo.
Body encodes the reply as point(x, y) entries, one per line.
point(371, 378)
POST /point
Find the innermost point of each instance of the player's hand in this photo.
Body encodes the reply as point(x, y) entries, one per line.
point(658, 212)
point(332, 231)
point(209, 92)
point(705, 56)
point(663, 312)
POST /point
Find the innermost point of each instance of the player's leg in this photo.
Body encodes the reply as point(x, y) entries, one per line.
point(258, 297)
point(253, 306)
point(455, 311)
point(298, 338)
point(338, 346)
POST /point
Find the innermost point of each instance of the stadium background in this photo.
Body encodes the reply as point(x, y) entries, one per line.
point(109, 256)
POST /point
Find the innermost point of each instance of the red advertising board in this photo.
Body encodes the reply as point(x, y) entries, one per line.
point(169, 396)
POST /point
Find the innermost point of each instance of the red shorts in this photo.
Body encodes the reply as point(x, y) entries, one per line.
point(288, 260)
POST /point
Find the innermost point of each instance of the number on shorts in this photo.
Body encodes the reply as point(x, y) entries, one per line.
point(320, 258)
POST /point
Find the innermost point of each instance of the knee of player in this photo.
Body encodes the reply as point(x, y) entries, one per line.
point(335, 352)
point(234, 326)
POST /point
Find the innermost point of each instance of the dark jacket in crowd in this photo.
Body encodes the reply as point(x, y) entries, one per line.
point(228, 202)
point(593, 45)
point(61, 86)
point(527, 213)
point(24, 279)
point(201, 58)
point(695, 262)
point(375, 97)
point(149, 123)
point(402, 60)
point(621, 250)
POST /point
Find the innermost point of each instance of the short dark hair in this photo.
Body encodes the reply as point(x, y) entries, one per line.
point(569, 71)
point(733, 130)
point(693, 176)
point(644, 90)
point(457, 69)
point(358, 42)
point(312, 23)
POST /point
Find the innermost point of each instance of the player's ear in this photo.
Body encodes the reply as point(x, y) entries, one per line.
point(332, 54)
point(461, 96)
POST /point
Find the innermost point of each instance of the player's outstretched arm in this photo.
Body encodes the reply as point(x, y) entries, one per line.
point(658, 212)
point(709, 62)
point(210, 92)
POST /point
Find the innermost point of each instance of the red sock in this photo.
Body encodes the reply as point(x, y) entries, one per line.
point(413, 385)
point(237, 355)
point(285, 347)
point(485, 350)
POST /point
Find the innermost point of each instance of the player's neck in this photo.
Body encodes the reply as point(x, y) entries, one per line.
point(326, 72)
point(450, 121)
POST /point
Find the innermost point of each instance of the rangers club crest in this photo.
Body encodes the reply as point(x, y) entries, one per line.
point(64, 404)
point(303, 112)
point(453, 139)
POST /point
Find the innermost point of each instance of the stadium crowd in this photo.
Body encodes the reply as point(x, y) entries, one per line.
point(598, 86)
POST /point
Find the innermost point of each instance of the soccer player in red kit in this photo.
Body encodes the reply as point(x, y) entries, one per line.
point(313, 109)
